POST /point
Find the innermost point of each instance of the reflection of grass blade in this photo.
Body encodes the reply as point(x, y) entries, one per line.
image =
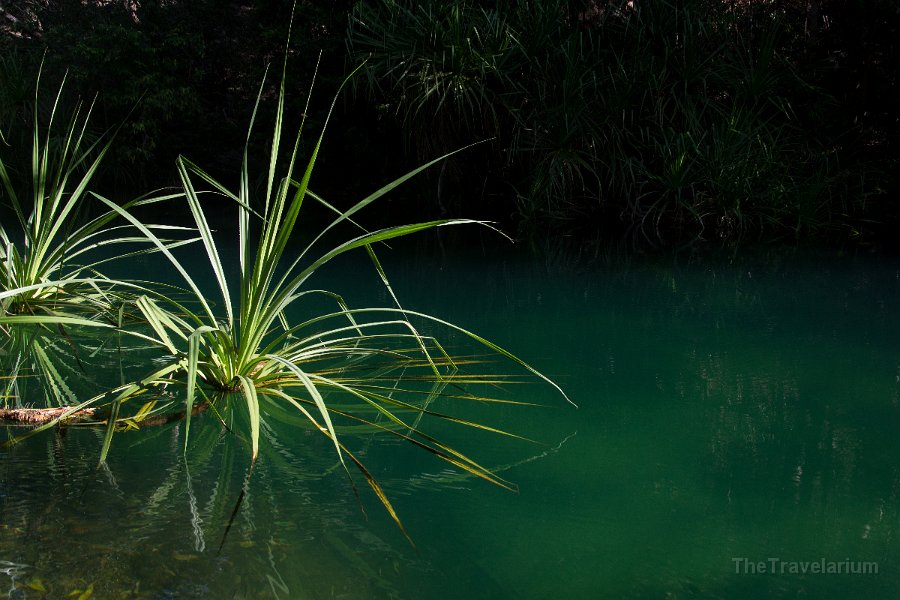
point(437, 448)
point(51, 376)
point(379, 492)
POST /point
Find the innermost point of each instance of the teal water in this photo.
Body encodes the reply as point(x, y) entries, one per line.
point(735, 418)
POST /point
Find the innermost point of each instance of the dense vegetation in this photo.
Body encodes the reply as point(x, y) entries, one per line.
point(654, 121)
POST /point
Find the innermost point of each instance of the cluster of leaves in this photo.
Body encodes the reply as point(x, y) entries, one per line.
point(42, 271)
point(350, 367)
point(675, 120)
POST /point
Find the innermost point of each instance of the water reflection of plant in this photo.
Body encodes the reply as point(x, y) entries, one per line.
point(137, 506)
point(34, 354)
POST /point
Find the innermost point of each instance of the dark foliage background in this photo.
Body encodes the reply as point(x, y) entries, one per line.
point(657, 122)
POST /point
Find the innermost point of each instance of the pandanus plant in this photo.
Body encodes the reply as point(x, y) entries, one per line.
point(370, 369)
point(43, 278)
point(255, 356)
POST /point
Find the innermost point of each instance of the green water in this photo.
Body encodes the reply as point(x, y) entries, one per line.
point(730, 414)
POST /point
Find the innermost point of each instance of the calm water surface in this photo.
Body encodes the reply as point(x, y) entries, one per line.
point(734, 419)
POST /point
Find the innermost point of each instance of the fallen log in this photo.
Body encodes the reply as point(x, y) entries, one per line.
point(85, 416)
point(41, 416)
